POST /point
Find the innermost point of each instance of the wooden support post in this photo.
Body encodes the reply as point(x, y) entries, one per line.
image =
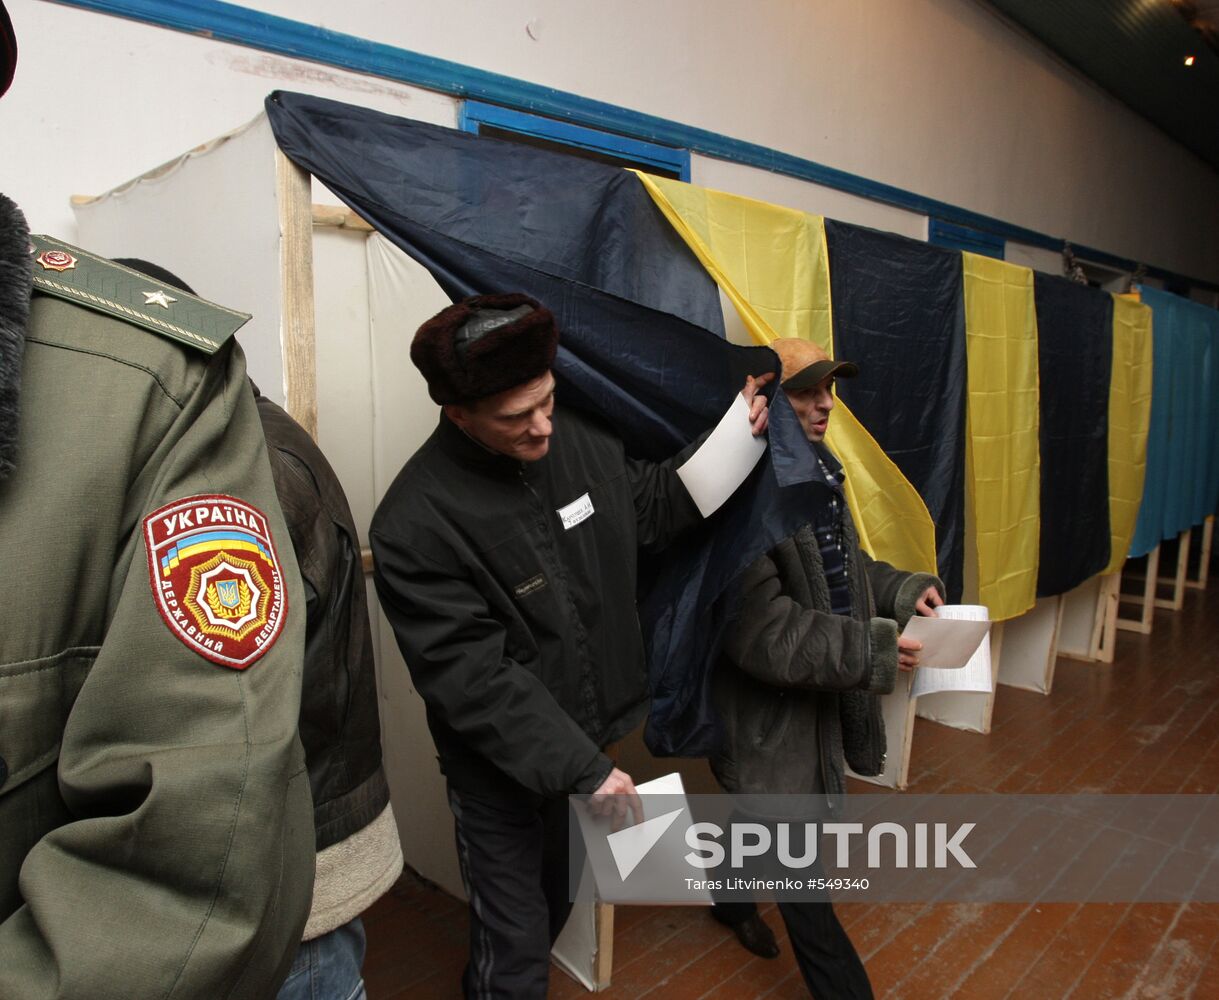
point(1104, 632)
point(1177, 580)
point(1147, 601)
point(337, 217)
point(297, 337)
point(1204, 557)
point(604, 965)
point(1089, 620)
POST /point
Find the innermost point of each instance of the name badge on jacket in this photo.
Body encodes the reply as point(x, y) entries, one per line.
point(578, 510)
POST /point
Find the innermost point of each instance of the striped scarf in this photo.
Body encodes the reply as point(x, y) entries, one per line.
point(827, 526)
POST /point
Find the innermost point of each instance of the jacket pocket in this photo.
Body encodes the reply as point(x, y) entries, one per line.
point(36, 697)
point(764, 715)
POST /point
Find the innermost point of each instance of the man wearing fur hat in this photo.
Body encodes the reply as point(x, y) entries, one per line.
point(505, 561)
point(816, 641)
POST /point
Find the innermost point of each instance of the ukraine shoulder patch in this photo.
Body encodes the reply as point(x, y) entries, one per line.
point(67, 272)
point(216, 577)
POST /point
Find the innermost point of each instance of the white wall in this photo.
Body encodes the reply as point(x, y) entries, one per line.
point(98, 100)
point(935, 96)
point(813, 198)
point(1036, 258)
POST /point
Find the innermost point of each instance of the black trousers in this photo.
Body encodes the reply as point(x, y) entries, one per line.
point(513, 851)
point(828, 960)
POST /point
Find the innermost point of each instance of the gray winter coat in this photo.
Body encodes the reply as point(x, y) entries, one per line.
point(797, 687)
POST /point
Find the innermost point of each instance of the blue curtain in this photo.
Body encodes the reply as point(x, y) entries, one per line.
point(1075, 366)
point(1182, 484)
point(641, 341)
point(899, 313)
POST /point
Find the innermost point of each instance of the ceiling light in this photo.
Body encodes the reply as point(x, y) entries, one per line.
point(1189, 60)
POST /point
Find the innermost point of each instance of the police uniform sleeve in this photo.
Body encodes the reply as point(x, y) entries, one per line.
point(183, 865)
point(455, 650)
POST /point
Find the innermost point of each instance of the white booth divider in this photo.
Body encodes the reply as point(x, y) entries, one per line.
point(1031, 647)
point(968, 710)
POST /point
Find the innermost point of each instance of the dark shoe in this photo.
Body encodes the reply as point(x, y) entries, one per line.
point(756, 936)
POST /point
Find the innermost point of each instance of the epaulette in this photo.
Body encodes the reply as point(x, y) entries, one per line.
point(94, 282)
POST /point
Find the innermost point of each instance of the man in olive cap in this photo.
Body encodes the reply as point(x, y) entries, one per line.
point(505, 561)
point(815, 643)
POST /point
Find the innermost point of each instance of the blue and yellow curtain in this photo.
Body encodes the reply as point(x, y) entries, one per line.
point(772, 264)
point(899, 313)
point(1007, 428)
point(1131, 419)
point(1003, 481)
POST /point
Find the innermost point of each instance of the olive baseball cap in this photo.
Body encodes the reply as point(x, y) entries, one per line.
point(805, 364)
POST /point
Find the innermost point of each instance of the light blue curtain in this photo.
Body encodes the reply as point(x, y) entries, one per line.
point(1182, 484)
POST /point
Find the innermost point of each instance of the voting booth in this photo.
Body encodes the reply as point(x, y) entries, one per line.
point(334, 307)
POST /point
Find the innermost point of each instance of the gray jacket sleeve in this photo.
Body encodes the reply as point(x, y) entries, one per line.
point(896, 592)
point(786, 645)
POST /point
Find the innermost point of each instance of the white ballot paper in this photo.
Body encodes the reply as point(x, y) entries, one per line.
point(616, 856)
point(721, 464)
point(956, 650)
point(948, 643)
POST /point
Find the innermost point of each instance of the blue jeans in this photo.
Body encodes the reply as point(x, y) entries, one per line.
point(328, 967)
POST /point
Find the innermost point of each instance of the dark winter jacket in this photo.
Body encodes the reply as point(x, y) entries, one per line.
point(338, 721)
point(797, 686)
point(521, 635)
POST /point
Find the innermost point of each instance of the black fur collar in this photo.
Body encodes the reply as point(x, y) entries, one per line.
point(15, 284)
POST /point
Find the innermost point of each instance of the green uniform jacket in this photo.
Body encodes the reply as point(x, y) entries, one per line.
point(156, 834)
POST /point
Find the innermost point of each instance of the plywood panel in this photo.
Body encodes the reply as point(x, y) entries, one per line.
point(1030, 645)
point(226, 249)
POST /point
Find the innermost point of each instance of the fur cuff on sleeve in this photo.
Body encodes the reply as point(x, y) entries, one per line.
point(882, 637)
point(909, 593)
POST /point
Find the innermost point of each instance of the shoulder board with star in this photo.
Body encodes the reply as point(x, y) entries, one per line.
point(67, 272)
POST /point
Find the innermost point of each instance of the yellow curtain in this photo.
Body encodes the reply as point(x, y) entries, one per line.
point(1003, 464)
point(1129, 420)
point(772, 264)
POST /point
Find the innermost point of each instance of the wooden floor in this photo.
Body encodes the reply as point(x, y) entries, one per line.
point(1147, 723)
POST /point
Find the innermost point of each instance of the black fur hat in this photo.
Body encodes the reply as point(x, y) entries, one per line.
point(8, 50)
point(484, 345)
